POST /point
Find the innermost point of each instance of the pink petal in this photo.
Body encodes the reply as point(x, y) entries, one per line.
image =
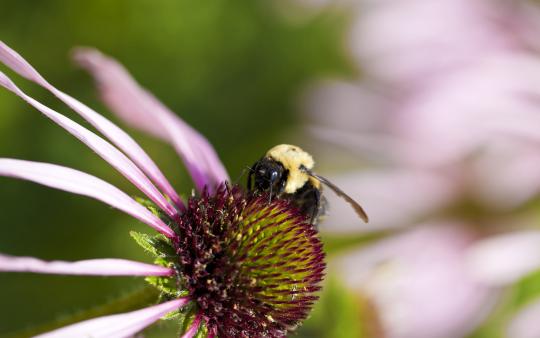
point(390, 38)
point(193, 328)
point(504, 259)
point(95, 267)
point(506, 173)
point(142, 110)
point(419, 283)
point(83, 184)
point(525, 323)
point(120, 138)
point(391, 198)
point(450, 124)
point(103, 148)
point(117, 326)
point(361, 108)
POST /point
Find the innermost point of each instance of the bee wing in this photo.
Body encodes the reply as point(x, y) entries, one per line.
point(359, 210)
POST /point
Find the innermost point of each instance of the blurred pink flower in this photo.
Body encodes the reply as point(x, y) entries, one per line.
point(449, 101)
point(391, 196)
point(411, 41)
point(419, 283)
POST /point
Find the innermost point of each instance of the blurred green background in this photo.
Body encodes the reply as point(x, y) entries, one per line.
point(232, 69)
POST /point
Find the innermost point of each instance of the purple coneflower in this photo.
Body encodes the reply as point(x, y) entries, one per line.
point(227, 263)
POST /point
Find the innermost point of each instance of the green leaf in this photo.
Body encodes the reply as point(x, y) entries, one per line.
point(202, 332)
point(157, 245)
point(168, 285)
point(160, 247)
point(150, 206)
point(186, 316)
point(334, 244)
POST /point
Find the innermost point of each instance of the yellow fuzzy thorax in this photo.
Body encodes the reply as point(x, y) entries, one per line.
point(292, 158)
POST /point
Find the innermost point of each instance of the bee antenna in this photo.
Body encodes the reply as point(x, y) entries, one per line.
point(242, 174)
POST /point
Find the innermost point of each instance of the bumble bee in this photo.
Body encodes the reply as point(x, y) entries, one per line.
point(286, 172)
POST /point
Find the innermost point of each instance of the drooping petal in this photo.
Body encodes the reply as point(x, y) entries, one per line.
point(142, 110)
point(77, 182)
point(116, 135)
point(193, 328)
point(525, 323)
point(103, 148)
point(117, 326)
point(94, 267)
point(504, 259)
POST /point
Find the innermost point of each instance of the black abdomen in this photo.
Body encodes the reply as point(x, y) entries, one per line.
point(310, 202)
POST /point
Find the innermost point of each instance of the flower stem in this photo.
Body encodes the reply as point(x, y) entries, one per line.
point(133, 300)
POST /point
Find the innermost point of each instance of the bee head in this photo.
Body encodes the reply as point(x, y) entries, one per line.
point(268, 174)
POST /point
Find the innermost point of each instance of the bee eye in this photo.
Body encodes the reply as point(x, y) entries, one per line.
point(262, 172)
point(273, 176)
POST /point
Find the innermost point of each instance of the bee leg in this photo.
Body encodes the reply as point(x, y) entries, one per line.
point(315, 212)
point(250, 180)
